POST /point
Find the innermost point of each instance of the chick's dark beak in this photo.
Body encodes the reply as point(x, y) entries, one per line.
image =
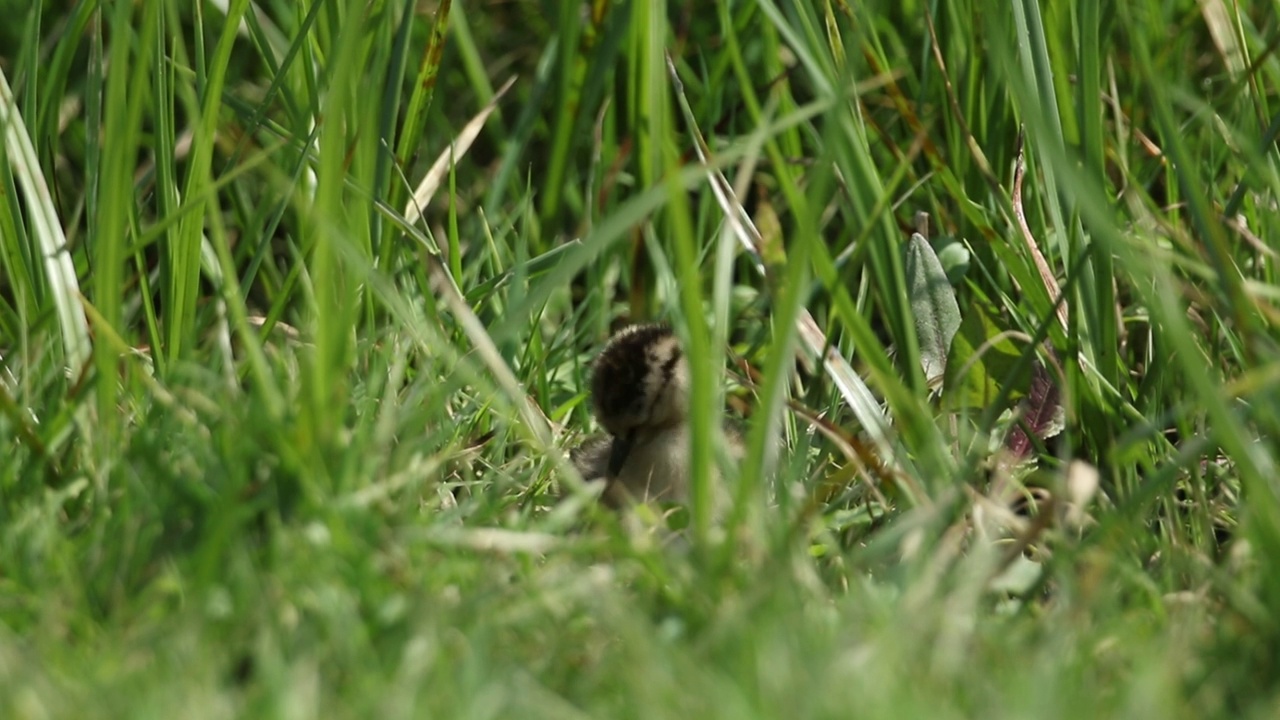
point(619, 452)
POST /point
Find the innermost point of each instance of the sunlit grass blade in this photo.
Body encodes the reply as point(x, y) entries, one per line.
point(46, 231)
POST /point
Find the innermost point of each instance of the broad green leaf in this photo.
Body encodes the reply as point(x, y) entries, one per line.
point(933, 305)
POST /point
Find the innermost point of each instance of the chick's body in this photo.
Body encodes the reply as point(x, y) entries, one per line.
point(656, 466)
point(640, 395)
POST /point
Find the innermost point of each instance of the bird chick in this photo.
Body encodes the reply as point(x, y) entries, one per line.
point(640, 395)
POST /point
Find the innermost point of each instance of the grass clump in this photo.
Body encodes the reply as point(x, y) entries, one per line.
point(297, 306)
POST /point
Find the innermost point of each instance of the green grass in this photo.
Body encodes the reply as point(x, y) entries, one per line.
point(278, 439)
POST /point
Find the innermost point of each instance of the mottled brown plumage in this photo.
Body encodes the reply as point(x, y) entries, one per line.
point(640, 395)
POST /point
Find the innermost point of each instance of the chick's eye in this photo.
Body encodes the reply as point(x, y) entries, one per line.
point(619, 400)
point(630, 375)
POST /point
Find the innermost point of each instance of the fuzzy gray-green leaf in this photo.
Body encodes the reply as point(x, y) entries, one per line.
point(933, 305)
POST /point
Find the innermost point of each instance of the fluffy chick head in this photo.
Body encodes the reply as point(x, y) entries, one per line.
point(640, 381)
